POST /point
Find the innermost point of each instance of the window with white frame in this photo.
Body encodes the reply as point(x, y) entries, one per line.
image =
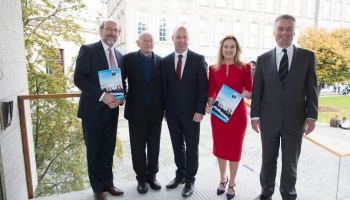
point(254, 5)
point(253, 35)
point(269, 6)
point(310, 8)
point(237, 31)
point(347, 15)
point(203, 2)
point(183, 20)
point(284, 7)
point(220, 3)
point(337, 12)
point(163, 28)
point(297, 7)
point(268, 36)
point(219, 31)
point(141, 22)
point(238, 4)
point(203, 26)
point(326, 9)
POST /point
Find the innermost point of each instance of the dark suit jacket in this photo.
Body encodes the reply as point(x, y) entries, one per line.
point(290, 103)
point(138, 88)
point(91, 59)
point(190, 95)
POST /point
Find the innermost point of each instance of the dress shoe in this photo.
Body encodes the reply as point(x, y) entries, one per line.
point(113, 191)
point(154, 184)
point(262, 197)
point(100, 196)
point(231, 196)
point(188, 189)
point(142, 188)
point(218, 191)
point(175, 182)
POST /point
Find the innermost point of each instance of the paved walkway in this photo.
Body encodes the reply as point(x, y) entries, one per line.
point(317, 173)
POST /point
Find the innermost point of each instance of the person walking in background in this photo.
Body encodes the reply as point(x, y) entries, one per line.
point(144, 110)
point(228, 138)
point(284, 107)
point(99, 110)
point(185, 87)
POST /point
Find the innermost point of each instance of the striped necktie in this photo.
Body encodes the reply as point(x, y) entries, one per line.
point(283, 69)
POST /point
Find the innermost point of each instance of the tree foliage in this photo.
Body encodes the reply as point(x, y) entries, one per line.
point(58, 139)
point(332, 53)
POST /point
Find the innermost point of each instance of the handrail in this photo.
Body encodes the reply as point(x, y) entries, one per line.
point(326, 148)
point(24, 133)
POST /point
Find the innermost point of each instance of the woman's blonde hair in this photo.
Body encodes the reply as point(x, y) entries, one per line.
point(236, 59)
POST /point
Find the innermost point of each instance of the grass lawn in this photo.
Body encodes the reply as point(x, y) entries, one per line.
point(333, 105)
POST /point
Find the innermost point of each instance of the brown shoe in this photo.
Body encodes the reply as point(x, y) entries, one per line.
point(114, 191)
point(100, 196)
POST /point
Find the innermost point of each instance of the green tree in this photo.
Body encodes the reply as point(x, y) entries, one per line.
point(332, 61)
point(58, 140)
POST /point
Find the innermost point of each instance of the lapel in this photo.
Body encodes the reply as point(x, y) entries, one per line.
point(187, 65)
point(102, 54)
point(136, 58)
point(293, 67)
point(118, 57)
point(155, 66)
point(171, 66)
point(271, 68)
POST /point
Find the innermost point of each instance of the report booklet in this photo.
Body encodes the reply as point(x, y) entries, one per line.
point(225, 103)
point(111, 82)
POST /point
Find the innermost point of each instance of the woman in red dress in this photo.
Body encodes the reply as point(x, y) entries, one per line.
point(228, 137)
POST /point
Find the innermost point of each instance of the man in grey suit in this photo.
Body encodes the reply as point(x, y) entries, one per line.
point(284, 107)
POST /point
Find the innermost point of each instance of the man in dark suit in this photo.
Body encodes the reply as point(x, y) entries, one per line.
point(99, 110)
point(284, 107)
point(185, 87)
point(144, 110)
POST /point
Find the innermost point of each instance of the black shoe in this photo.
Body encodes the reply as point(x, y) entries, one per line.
point(262, 197)
point(175, 182)
point(188, 189)
point(154, 184)
point(142, 188)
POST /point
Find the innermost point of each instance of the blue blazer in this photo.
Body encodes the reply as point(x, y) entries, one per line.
point(91, 59)
point(190, 95)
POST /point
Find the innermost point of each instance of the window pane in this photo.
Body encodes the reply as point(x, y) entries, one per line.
point(337, 13)
point(284, 7)
point(253, 38)
point(310, 8)
point(203, 31)
point(237, 31)
point(219, 31)
point(254, 5)
point(297, 7)
point(326, 10)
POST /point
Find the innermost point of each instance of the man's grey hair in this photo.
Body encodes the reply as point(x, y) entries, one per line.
point(107, 20)
point(285, 16)
point(142, 34)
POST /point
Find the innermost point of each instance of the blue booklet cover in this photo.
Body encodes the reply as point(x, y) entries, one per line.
point(111, 82)
point(225, 103)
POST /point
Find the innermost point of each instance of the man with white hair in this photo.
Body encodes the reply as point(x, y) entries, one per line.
point(144, 110)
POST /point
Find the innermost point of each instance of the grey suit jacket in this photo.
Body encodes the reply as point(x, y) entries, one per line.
point(289, 104)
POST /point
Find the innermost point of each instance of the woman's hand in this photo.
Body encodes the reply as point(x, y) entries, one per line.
point(246, 94)
point(208, 109)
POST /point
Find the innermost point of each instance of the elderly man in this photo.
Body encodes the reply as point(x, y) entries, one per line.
point(98, 109)
point(185, 88)
point(144, 110)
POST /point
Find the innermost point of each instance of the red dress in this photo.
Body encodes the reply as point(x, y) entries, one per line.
point(228, 138)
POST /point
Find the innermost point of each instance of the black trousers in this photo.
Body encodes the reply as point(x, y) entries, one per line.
point(100, 139)
point(184, 135)
point(145, 136)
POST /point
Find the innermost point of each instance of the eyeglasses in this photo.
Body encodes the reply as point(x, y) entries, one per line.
point(109, 29)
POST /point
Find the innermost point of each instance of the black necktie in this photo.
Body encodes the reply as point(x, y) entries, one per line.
point(283, 69)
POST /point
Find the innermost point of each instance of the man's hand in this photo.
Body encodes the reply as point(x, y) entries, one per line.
point(309, 126)
point(108, 98)
point(256, 125)
point(115, 104)
point(197, 117)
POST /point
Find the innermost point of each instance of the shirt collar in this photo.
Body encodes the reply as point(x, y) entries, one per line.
point(143, 57)
point(105, 47)
point(184, 54)
point(289, 49)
